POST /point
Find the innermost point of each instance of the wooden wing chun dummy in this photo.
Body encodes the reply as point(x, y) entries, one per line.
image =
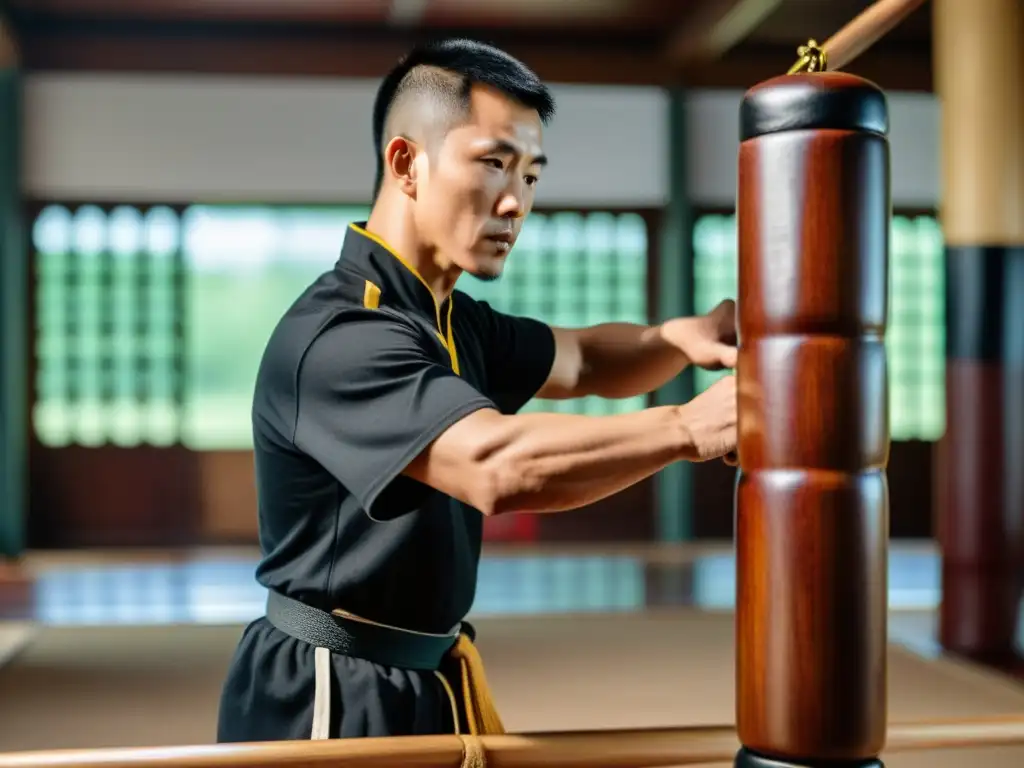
point(812, 497)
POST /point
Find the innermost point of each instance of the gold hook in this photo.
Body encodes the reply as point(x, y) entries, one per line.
point(813, 58)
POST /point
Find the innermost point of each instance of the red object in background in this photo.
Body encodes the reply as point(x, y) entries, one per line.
point(504, 528)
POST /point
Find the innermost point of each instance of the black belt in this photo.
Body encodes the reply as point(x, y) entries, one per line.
point(388, 646)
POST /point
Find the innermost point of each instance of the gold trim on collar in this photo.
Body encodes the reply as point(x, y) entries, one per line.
point(449, 343)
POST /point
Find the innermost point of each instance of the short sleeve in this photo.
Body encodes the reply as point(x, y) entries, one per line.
point(520, 354)
point(373, 394)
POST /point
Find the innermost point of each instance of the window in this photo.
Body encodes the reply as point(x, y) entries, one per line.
point(151, 323)
point(916, 335)
point(246, 265)
point(573, 270)
point(108, 326)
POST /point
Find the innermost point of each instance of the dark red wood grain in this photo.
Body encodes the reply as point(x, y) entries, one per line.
point(980, 509)
point(812, 497)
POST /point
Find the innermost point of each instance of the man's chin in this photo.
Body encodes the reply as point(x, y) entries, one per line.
point(488, 270)
point(487, 276)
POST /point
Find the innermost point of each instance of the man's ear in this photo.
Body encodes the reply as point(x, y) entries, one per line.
point(400, 161)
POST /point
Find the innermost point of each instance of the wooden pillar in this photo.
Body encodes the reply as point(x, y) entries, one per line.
point(812, 496)
point(13, 310)
point(979, 66)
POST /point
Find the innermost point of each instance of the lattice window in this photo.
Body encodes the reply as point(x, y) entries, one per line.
point(109, 303)
point(916, 335)
point(246, 266)
point(574, 270)
point(151, 325)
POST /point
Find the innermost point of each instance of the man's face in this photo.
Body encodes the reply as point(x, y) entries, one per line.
point(476, 188)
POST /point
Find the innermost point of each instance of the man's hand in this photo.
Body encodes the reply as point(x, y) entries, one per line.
point(708, 341)
point(616, 360)
point(710, 421)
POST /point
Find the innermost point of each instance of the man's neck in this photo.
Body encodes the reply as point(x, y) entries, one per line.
point(395, 226)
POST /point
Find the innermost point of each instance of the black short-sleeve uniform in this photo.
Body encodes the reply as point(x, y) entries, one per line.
point(359, 376)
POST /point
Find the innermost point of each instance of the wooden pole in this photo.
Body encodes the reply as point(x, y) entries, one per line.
point(979, 64)
point(874, 23)
point(650, 748)
point(812, 497)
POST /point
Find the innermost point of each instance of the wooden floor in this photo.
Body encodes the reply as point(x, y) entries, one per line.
point(130, 650)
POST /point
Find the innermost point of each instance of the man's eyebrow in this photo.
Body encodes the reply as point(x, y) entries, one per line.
point(508, 148)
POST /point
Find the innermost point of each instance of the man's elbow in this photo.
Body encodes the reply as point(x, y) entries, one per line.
point(489, 490)
point(484, 461)
point(502, 484)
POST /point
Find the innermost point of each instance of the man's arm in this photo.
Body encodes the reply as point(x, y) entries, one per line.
point(612, 360)
point(545, 462)
point(618, 360)
point(379, 412)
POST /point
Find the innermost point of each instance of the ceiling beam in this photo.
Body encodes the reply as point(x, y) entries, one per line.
point(362, 55)
point(359, 54)
point(713, 27)
point(408, 13)
point(284, 11)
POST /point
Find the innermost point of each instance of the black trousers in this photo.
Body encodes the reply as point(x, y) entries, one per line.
point(268, 694)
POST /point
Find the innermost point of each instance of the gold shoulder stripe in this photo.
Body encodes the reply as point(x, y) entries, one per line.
point(371, 296)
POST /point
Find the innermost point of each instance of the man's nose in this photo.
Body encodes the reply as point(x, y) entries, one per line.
point(511, 206)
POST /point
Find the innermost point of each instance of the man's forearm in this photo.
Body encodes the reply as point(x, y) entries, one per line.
point(623, 360)
point(548, 462)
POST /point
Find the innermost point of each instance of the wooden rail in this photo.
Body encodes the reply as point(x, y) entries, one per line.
point(656, 748)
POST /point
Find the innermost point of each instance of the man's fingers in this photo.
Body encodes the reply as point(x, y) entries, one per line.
point(725, 312)
point(723, 318)
point(725, 307)
point(719, 357)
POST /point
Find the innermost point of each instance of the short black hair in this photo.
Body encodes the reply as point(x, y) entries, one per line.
point(471, 63)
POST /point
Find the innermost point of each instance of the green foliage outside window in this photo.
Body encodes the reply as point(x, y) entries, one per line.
point(151, 322)
point(916, 336)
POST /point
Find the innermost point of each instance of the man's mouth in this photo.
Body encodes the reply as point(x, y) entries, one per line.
point(502, 240)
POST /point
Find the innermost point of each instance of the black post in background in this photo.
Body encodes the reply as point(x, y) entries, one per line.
point(14, 304)
point(675, 299)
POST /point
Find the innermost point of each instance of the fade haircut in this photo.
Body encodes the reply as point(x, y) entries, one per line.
point(442, 74)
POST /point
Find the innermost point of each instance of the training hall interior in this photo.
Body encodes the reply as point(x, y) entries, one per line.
point(174, 173)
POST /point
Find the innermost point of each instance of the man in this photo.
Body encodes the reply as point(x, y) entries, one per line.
point(386, 427)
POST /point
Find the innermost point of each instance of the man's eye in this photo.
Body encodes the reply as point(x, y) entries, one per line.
point(494, 162)
point(532, 180)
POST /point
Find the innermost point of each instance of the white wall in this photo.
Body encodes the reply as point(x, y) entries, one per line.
point(188, 138)
point(913, 143)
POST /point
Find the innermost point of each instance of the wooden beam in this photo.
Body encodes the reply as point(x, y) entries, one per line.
point(408, 13)
point(715, 27)
point(292, 53)
point(287, 11)
point(891, 67)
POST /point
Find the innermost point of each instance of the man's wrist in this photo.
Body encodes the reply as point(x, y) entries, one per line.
point(674, 335)
point(681, 430)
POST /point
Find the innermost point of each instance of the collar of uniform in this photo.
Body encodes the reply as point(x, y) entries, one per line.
point(401, 286)
point(393, 282)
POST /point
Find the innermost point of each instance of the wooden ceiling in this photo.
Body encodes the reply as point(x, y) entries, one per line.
point(701, 43)
point(519, 14)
